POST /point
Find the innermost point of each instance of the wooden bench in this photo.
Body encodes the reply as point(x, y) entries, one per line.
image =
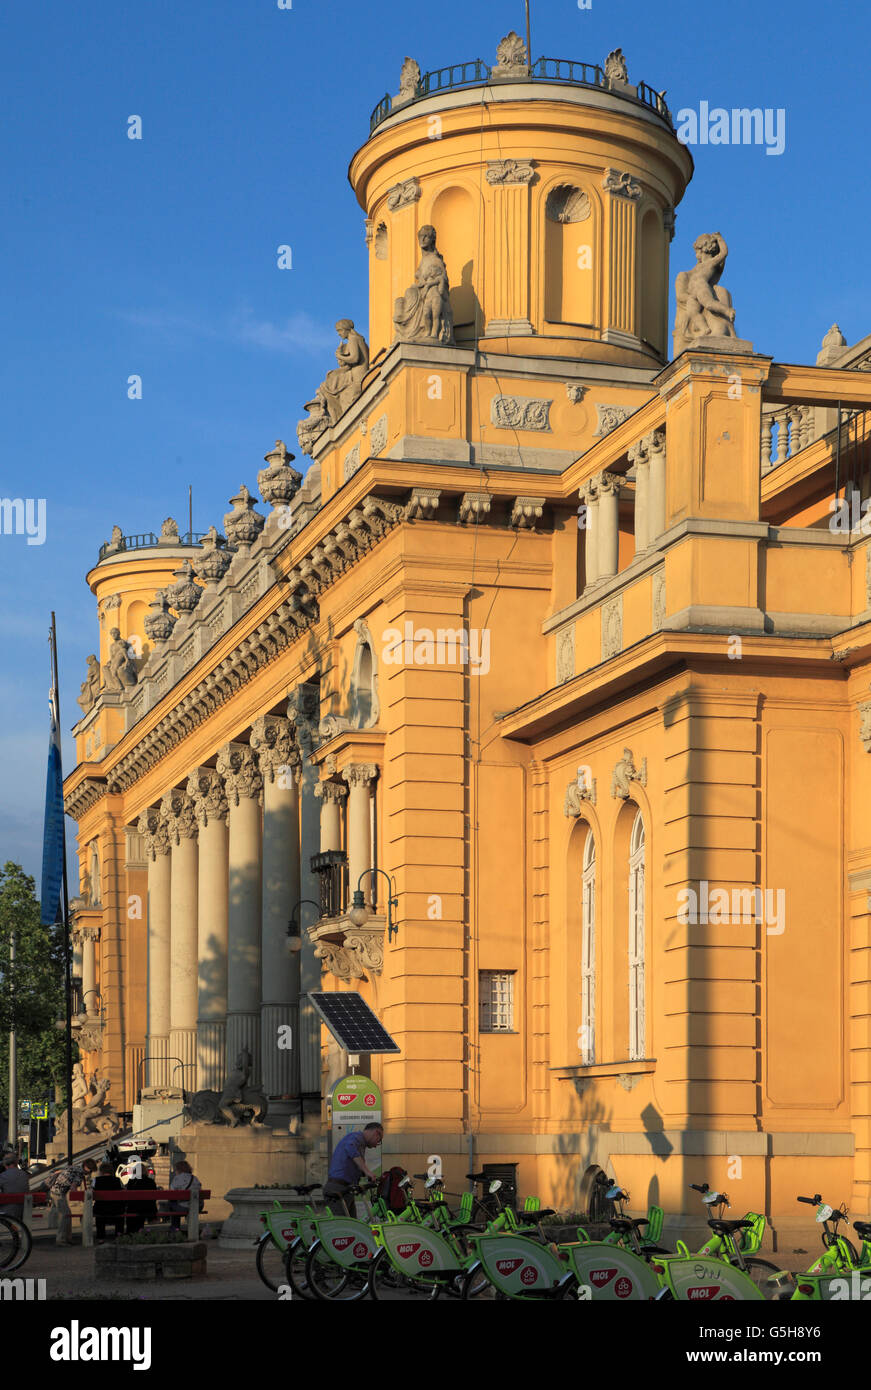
point(172, 1194)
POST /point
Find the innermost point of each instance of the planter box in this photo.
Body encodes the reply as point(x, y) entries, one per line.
point(178, 1260)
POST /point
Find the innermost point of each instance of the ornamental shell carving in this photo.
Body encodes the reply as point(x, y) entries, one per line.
point(565, 203)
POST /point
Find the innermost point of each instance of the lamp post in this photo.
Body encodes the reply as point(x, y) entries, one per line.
point(359, 912)
point(294, 933)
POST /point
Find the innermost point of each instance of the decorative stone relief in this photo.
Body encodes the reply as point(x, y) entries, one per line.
point(309, 431)
point(331, 792)
point(526, 512)
point(509, 171)
point(565, 655)
point(401, 195)
point(153, 828)
point(344, 384)
point(865, 725)
point(381, 242)
point(277, 753)
point(610, 416)
point(615, 66)
point(185, 594)
point(113, 601)
point(575, 392)
point(378, 436)
point(512, 60)
point(612, 627)
point(90, 686)
point(278, 483)
point(345, 965)
point(520, 413)
point(832, 345)
point(668, 221)
point(577, 792)
point(159, 622)
point(629, 1080)
point(658, 615)
point(626, 772)
point(238, 766)
point(409, 80)
point(423, 504)
point(352, 461)
point(475, 506)
point(703, 308)
point(565, 203)
point(212, 564)
point(243, 525)
point(205, 788)
point(367, 946)
point(423, 314)
point(360, 774)
point(177, 810)
point(119, 672)
point(169, 532)
point(622, 183)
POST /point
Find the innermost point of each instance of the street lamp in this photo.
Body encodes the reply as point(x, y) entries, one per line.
point(359, 912)
point(294, 934)
point(83, 1016)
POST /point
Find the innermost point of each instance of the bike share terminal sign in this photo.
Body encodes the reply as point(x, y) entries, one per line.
point(356, 1102)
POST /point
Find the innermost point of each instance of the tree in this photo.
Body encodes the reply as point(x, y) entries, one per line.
point(31, 990)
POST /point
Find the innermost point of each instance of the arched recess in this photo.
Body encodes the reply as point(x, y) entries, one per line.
point(583, 899)
point(652, 279)
point(454, 216)
point(630, 980)
point(363, 704)
point(571, 243)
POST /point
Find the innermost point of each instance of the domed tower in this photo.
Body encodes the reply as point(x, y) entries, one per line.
point(552, 190)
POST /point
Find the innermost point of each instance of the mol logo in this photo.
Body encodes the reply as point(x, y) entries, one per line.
point(405, 1252)
point(508, 1266)
point(345, 1099)
point(600, 1277)
point(702, 1293)
point(288, 1234)
point(342, 1242)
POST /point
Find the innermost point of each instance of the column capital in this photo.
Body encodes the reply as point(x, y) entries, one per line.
point(273, 738)
point(637, 453)
point(154, 827)
point(239, 767)
point(654, 442)
point(89, 933)
point(359, 774)
point(177, 809)
point(331, 792)
point(303, 711)
point(607, 482)
point(206, 791)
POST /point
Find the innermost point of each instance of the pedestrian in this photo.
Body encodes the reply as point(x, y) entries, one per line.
point(108, 1213)
point(140, 1212)
point(182, 1180)
point(58, 1186)
point(13, 1178)
point(348, 1164)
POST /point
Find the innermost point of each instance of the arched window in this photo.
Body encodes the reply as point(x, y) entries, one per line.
point(363, 706)
point(587, 1035)
point(636, 941)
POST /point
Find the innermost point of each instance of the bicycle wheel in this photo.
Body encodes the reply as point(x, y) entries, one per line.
point(332, 1282)
point(477, 1285)
point(16, 1243)
point(760, 1272)
point(385, 1283)
point(295, 1257)
point(269, 1262)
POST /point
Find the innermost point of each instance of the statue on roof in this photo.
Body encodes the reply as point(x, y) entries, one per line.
point(423, 314)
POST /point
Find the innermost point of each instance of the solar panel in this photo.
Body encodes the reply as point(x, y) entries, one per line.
point(352, 1023)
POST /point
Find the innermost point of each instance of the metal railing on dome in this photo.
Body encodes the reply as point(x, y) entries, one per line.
point(564, 70)
point(145, 539)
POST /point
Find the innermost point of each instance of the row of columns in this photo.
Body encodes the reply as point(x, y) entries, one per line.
point(601, 495)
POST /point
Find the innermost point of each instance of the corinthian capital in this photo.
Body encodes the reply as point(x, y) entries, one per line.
point(654, 442)
point(238, 766)
point(359, 774)
point(331, 792)
point(206, 791)
point(154, 828)
point(607, 482)
point(272, 737)
point(177, 810)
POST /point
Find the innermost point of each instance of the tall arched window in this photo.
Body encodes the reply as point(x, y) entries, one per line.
point(636, 941)
point(588, 956)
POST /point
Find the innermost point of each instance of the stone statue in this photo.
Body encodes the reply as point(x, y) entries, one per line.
point(309, 431)
point(92, 1112)
point(424, 315)
point(119, 673)
point(704, 308)
point(237, 1102)
point(409, 78)
point(344, 385)
point(90, 686)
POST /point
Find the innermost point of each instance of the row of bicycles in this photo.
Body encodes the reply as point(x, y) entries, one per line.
point(478, 1246)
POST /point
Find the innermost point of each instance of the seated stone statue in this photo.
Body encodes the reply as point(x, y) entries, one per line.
point(119, 673)
point(423, 315)
point(90, 686)
point(344, 385)
point(704, 308)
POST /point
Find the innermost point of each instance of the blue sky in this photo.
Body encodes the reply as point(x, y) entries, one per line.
point(158, 257)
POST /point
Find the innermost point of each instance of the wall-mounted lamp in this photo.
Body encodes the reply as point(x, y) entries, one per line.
point(294, 929)
point(359, 912)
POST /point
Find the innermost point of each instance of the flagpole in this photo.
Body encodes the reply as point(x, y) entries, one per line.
point(13, 1057)
point(66, 914)
point(528, 38)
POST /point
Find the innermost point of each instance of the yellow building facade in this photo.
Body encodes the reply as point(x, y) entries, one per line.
point(557, 632)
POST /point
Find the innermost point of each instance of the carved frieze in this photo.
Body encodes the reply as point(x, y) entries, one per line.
point(474, 506)
point(565, 655)
point(526, 512)
point(865, 725)
point(625, 772)
point(378, 436)
point(520, 413)
point(401, 195)
point(621, 183)
point(352, 462)
point(511, 171)
point(424, 504)
point(658, 600)
point(610, 416)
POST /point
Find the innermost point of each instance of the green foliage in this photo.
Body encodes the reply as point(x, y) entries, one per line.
point(31, 991)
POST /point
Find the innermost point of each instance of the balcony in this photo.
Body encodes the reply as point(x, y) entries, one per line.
point(345, 949)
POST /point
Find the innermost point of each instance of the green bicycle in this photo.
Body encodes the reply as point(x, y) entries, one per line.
point(283, 1231)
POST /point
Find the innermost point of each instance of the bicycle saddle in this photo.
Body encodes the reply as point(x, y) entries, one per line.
point(724, 1228)
point(628, 1223)
point(863, 1229)
point(535, 1216)
point(304, 1191)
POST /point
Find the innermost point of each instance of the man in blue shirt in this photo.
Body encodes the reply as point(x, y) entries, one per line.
point(348, 1164)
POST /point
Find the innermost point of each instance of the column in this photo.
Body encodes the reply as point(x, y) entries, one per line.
point(639, 457)
point(359, 777)
point(206, 791)
point(331, 795)
point(304, 712)
point(655, 446)
point(90, 937)
point(278, 756)
point(591, 535)
point(178, 809)
point(153, 826)
point(608, 489)
point(237, 764)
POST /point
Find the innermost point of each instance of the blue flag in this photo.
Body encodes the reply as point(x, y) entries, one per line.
point(53, 832)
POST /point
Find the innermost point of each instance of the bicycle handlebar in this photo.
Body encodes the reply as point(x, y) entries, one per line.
point(700, 1187)
point(810, 1201)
